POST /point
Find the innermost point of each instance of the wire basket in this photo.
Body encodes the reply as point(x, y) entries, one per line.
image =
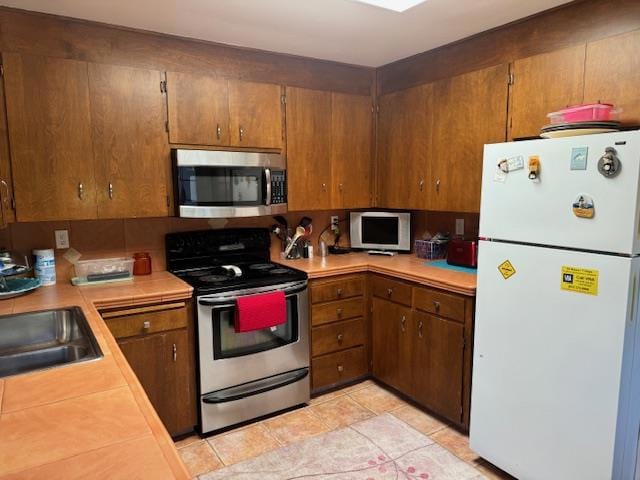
point(430, 250)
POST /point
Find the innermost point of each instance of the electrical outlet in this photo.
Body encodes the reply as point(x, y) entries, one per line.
point(460, 226)
point(62, 239)
point(335, 223)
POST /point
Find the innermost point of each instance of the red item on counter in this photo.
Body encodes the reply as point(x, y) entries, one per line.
point(141, 263)
point(255, 312)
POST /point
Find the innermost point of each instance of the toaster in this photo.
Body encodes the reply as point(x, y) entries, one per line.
point(463, 253)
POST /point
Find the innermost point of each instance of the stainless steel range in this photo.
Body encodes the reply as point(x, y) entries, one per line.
point(242, 376)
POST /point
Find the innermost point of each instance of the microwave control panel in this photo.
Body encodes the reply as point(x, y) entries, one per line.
point(278, 186)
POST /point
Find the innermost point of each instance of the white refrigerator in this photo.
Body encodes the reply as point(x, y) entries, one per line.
point(556, 371)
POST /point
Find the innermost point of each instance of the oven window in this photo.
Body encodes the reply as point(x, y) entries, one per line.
point(220, 186)
point(228, 344)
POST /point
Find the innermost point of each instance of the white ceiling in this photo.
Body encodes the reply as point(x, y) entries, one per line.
point(340, 30)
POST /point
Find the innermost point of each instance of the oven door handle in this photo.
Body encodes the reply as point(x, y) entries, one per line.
point(257, 387)
point(230, 300)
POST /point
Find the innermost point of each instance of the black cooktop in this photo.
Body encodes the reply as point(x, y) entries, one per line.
point(215, 261)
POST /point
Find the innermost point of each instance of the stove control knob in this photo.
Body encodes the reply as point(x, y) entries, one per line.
point(609, 164)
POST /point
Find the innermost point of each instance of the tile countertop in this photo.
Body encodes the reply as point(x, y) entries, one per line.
point(403, 266)
point(92, 419)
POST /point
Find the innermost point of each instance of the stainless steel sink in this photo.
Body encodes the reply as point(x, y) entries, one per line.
point(49, 338)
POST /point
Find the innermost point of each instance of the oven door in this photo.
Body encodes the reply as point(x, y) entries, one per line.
point(228, 358)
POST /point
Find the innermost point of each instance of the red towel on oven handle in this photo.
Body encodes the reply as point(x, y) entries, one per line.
point(255, 312)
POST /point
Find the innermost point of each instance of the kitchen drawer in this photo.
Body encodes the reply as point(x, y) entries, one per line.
point(143, 320)
point(338, 367)
point(330, 290)
point(393, 290)
point(439, 303)
point(337, 336)
point(335, 311)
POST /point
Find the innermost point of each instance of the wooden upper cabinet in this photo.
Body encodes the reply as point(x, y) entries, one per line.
point(132, 162)
point(255, 114)
point(309, 149)
point(542, 84)
point(49, 122)
point(612, 74)
point(472, 111)
point(351, 137)
point(198, 107)
point(7, 212)
point(405, 125)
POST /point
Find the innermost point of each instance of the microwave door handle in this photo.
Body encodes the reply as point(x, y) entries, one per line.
point(267, 179)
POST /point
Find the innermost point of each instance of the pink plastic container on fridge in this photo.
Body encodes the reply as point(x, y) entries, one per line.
point(590, 112)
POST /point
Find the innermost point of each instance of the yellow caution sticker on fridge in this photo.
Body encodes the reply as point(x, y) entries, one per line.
point(506, 269)
point(580, 280)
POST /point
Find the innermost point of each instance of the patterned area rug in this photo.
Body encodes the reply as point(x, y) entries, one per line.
point(382, 448)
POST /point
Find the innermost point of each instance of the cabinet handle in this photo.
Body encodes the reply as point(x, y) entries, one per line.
point(340, 337)
point(436, 306)
point(241, 133)
point(339, 293)
point(4, 195)
point(438, 185)
point(80, 191)
point(340, 187)
point(420, 325)
point(421, 184)
point(175, 353)
point(340, 369)
point(146, 325)
point(110, 190)
point(403, 323)
point(389, 292)
point(324, 187)
point(339, 312)
point(218, 131)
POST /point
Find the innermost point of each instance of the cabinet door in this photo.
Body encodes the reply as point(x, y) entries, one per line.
point(440, 352)
point(50, 137)
point(130, 142)
point(472, 111)
point(404, 147)
point(391, 344)
point(7, 213)
point(542, 84)
point(198, 107)
point(612, 74)
point(309, 149)
point(255, 114)
point(351, 129)
point(179, 405)
point(146, 357)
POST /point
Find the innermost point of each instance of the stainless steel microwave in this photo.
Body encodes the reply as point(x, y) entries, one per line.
point(222, 184)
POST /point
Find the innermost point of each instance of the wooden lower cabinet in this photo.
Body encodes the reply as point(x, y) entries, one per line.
point(339, 331)
point(424, 355)
point(163, 360)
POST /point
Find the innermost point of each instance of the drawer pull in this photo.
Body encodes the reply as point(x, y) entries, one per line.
point(340, 368)
point(339, 293)
point(436, 305)
point(340, 337)
point(146, 325)
point(339, 312)
point(175, 353)
point(389, 292)
point(403, 323)
point(420, 326)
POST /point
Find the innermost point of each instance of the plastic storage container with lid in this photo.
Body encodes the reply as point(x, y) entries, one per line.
point(588, 112)
point(106, 267)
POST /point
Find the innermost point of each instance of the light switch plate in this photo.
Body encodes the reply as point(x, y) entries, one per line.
point(62, 239)
point(460, 226)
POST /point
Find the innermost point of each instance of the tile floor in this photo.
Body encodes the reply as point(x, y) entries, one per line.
point(325, 413)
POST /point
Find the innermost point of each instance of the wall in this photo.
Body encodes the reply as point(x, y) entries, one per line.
point(576, 22)
point(115, 238)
